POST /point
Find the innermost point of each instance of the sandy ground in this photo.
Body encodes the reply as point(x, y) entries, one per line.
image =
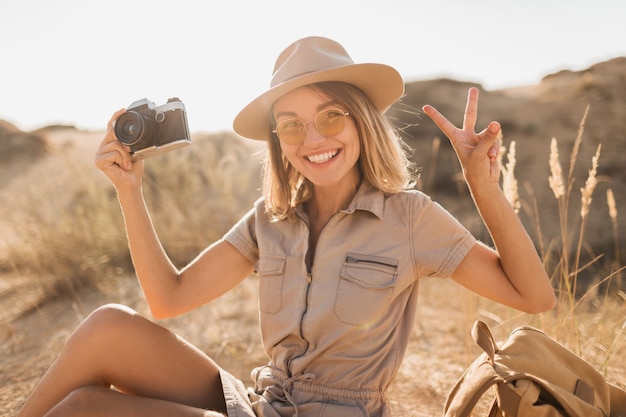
point(226, 329)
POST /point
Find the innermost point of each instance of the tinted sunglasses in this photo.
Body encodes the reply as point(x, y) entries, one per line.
point(329, 122)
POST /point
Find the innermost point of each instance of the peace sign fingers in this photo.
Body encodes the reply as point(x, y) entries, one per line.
point(471, 110)
point(477, 152)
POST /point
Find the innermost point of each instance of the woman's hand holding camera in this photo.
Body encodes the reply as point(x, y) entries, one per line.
point(114, 159)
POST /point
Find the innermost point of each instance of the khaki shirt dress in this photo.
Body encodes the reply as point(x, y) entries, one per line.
point(336, 332)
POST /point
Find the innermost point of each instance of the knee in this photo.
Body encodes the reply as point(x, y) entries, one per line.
point(111, 314)
point(105, 322)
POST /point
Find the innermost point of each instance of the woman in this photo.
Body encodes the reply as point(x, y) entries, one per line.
point(339, 243)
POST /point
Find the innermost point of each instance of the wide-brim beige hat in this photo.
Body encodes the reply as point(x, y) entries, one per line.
point(312, 60)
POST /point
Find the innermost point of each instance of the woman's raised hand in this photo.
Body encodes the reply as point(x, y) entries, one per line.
point(477, 152)
point(114, 159)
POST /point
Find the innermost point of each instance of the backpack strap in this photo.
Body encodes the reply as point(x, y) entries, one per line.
point(495, 410)
point(469, 389)
point(618, 401)
point(477, 379)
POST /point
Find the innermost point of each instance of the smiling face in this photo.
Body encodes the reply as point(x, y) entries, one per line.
point(323, 160)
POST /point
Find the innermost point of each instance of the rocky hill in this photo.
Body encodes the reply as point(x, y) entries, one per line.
point(531, 116)
point(17, 144)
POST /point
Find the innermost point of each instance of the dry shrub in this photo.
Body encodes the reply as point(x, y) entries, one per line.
point(197, 193)
point(67, 229)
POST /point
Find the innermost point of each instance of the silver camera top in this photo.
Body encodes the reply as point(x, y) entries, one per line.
point(148, 129)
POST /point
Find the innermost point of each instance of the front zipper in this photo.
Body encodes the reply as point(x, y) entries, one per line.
point(309, 280)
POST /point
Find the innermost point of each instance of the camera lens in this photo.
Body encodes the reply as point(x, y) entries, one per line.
point(130, 128)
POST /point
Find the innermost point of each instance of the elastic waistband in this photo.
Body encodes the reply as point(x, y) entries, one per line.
point(266, 376)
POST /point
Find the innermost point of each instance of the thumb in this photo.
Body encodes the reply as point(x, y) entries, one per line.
point(489, 143)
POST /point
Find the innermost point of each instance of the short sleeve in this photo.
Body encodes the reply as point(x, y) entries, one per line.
point(440, 241)
point(243, 234)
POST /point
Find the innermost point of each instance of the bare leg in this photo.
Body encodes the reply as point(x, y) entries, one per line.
point(100, 402)
point(117, 347)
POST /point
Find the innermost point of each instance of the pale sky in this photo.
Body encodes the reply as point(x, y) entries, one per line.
point(77, 61)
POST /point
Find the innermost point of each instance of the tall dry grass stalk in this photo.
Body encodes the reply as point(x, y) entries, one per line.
point(561, 193)
point(616, 269)
point(562, 190)
point(509, 181)
point(586, 195)
point(610, 199)
point(556, 172)
point(590, 185)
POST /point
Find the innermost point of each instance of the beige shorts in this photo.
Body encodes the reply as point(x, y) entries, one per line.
point(237, 400)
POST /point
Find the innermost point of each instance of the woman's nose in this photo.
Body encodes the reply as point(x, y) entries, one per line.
point(312, 134)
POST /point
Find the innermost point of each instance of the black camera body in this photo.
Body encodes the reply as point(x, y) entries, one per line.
point(150, 130)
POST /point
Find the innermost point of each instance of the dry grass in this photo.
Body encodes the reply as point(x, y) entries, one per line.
point(64, 253)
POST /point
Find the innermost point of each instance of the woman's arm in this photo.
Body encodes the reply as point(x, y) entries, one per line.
point(169, 291)
point(513, 274)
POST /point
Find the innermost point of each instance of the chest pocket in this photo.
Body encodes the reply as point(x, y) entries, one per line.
point(271, 272)
point(365, 288)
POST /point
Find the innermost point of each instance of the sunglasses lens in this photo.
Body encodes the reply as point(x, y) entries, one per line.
point(292, 131)
point(330, 122)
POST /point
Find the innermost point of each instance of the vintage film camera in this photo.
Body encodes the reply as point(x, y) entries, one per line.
point(150, 130)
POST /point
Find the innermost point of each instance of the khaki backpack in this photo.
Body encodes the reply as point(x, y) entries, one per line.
point(533, 376)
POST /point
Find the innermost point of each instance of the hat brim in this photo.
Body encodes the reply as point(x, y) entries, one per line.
point(382, 84)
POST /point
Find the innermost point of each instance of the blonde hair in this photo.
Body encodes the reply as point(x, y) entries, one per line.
point(383, 162)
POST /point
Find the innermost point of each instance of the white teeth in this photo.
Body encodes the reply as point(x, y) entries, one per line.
point(321, 158)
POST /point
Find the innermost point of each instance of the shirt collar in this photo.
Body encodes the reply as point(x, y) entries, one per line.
point(367, 198)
